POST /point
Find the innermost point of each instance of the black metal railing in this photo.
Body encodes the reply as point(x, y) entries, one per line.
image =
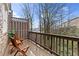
point(59, 45)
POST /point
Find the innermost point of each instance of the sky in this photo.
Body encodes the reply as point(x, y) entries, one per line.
point(16, 7)
point(74, 8)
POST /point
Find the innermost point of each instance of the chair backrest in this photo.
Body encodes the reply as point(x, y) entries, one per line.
point(13, 40)
point(17, 38)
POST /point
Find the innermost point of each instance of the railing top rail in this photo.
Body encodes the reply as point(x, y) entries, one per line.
point(73, 38)
point(19, 19)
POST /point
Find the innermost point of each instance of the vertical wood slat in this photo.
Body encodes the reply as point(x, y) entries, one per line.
point(59, 46)
point(44, 39)
point(67, 47)
point(28, 35)
point(56, 44)
point(17, 27)
point(72, 48)
point(40, 38)
point(63, 46)
point(51, 43)
point(8, 24)
point(24, 31)
point(36, 38)
point(11, 25)
point(20, 29)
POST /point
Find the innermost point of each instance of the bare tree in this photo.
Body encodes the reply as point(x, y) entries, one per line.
point(27, 14)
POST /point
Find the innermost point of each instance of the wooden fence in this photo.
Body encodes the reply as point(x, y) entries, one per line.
point(19, 25)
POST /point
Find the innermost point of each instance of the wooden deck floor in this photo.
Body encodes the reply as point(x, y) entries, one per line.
point(34, 50)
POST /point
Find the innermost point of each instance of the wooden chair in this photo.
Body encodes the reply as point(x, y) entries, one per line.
point(18, 40)
point(17, 43)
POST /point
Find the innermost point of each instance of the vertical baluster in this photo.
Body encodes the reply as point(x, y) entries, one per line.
point(16, 27)
point(11, 25)
point(20, 29)
point(51, 43)
point(40, 38)
point(59, 46)
point(28, 34)
point(63, 46)
point(31, 36)
point(72, 48)
point(67, 47)
point(56, 44)
point(45, 40)
point(36, 38)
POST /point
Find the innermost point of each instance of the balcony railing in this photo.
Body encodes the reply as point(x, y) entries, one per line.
point(56, 44)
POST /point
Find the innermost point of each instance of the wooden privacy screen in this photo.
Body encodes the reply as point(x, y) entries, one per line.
point(19, 25)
